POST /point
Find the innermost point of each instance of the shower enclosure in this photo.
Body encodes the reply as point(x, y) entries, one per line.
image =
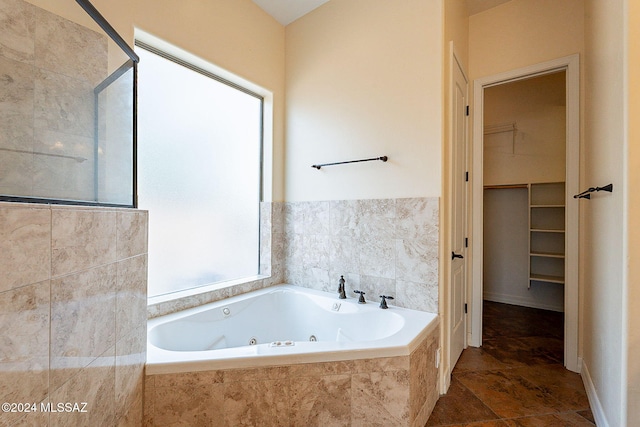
point(67, 106)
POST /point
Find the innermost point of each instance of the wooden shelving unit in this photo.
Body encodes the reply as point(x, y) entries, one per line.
point(546, 232)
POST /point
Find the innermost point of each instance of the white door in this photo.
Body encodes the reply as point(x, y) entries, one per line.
point(459, 180)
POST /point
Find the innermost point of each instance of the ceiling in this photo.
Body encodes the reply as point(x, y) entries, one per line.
point(287, 11)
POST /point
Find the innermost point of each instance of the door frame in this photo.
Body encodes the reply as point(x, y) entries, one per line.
point(571, 65)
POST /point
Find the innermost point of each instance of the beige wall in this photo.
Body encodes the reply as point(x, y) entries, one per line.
point(537, 107)
point(603, 229)
point(365, 81)
point(633, 216)
point(456, 29)
point(235, 35)
point(524, 32)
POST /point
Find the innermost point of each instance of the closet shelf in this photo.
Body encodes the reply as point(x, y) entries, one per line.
point(546, 254)
point(548, 279)
point(546, 230)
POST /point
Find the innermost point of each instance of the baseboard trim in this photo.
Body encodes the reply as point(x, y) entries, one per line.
point(514, 300)
point(596, 407)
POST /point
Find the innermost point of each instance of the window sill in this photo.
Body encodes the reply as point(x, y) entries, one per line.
point(176, 301)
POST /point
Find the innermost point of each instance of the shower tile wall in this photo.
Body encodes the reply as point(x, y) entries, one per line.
point(49, 66)
point(73, 312)
point(381, 246)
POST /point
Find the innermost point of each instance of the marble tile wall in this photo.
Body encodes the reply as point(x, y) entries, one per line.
point(392, 391)
point(50, 67)
point(73, 313)
point(423, 383)
point(381, 246)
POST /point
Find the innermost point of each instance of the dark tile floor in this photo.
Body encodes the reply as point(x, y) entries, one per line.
point(516, 378)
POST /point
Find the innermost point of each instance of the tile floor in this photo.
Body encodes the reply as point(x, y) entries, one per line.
point(516, 378)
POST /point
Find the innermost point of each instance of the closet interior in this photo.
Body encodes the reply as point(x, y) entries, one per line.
point(524, 192)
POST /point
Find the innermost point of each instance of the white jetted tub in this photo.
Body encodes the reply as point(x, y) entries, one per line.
point(281, 325)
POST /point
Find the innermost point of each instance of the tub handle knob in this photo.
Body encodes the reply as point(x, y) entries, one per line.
point(361, 297)
point(383, 302)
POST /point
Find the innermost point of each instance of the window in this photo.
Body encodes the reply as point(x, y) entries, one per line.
point(199, 173)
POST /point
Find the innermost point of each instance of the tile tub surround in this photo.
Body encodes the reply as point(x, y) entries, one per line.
point(73, 312)
point(381, 246)
point(398, 391)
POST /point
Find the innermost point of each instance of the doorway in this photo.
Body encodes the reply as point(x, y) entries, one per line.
point(542, 194)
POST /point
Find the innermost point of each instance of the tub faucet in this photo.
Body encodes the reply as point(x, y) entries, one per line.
point(383, 303)
point(341, 293)
point(361, 298)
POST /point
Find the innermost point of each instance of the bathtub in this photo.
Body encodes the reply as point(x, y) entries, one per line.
point(281, 325)
point(287, 355)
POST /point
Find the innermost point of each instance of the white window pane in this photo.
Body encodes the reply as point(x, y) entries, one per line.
point(198, 175)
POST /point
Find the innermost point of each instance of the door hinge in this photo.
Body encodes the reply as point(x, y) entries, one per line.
point(465, 308)
point(466, 176)
point(466, 242)
point(467, 110)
